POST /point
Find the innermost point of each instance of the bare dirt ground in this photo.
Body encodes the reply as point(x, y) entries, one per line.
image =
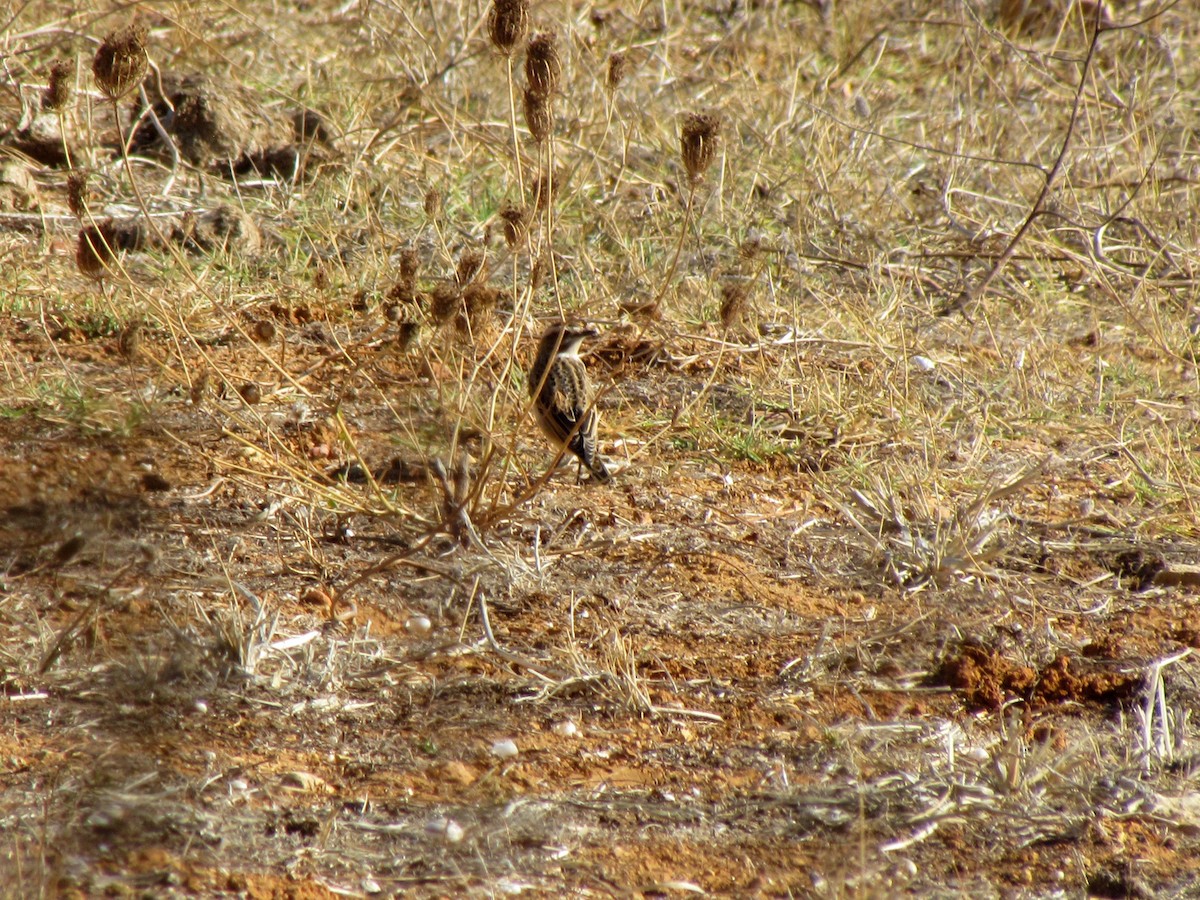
point(892, 592)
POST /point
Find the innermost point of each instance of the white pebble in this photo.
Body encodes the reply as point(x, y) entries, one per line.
point(200, 706)
point(976, 754)
point(505, 749)
point(924, 363)
point(566, 728)
point(419, 625)
point(445, 828)
point(239, 784)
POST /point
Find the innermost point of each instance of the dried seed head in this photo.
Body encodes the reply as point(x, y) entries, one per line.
point(404, 292)
point(543, 68)
point(734, 303)
point(537, 275)
point(59, 89)
point(264, 331)
point(406, 334)
point(616, 70)
point(472, 266)
point(698, 143)
point(95, 251)
point(752, 246)
point(445, 301)
point(250, 392)
point(410, 265)
point(321, 277)
point(538, 116)
point(129, 341)
point(77, 192)
point(199, 388)
point(120, 63)
point(516, 223)
point(545, 190)
point(478, 304)
point(433, 203)
point(508, 24)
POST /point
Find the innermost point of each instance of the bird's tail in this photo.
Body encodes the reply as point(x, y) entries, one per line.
point(599, 470)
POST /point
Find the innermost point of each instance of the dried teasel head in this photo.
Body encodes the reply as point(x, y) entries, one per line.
point(616, 71)
point(472, 266)
point(543, 68)
point(508, 24)
point(698, 143)
point(59, 88)
point(538, 116)
point(120, 63)
point(78, 194)
point(95, 251)
point(516, 223)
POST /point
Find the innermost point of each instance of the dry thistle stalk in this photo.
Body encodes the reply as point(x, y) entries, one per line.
point(94, 252)
point(616, 70)
point(516, 223)
point(698, 144)
point(508, 24)
point(78, 194)
point(543, 68)
point(59, 88)
point(120, 63)
point(538, 116)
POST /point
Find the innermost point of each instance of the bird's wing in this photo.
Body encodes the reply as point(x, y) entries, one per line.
point(568, 403)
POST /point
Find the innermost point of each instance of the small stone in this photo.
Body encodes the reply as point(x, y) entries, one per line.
point(418, 625)
point(505, 749)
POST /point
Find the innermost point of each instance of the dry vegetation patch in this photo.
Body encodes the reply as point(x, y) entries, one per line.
point(893, 588)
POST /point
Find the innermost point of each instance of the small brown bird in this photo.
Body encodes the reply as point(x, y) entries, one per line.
point(562, 395)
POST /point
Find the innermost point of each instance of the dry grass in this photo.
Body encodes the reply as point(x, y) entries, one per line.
point(897, 369)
